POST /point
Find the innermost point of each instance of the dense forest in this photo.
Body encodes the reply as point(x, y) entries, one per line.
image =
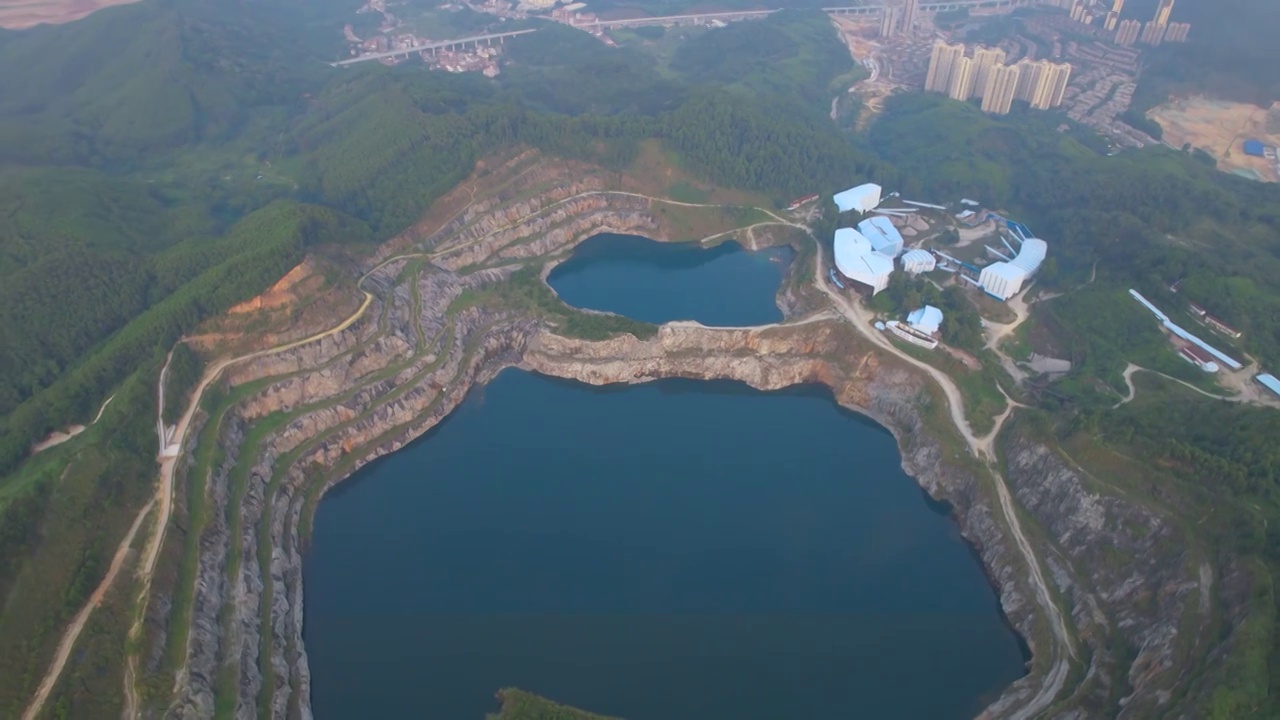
point(141, 187)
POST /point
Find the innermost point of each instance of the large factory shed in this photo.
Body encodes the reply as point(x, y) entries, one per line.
point(862, 198)
point(1003, 280)
point(858, 261)
point(885, 238)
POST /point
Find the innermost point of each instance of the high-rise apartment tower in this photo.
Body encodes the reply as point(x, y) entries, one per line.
point(1051, 85)
point(1002, 83)
point(941, 65)
point(888, 21)
point(963, 75)
point(1127, 32)
point(909, 11)
point(984, 59)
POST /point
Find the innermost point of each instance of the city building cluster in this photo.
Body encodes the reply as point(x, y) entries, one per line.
point(1106, 13)
point(1040, 83)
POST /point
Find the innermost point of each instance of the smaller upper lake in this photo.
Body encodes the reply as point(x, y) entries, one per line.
point(723, 286)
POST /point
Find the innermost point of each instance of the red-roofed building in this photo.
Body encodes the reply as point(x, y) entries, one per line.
point(1199, 358)
point(1221, 327)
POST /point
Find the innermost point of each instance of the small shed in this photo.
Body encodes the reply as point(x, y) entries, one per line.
point(1255, 148)
point(927, 319)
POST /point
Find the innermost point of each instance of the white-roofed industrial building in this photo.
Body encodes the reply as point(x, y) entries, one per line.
point(885, 238)
point(918, 261)
point(1269, 381)
point(1003, 280)
point(862, 198)
point(1031, 255)
point(858, 261)
point(927, 320)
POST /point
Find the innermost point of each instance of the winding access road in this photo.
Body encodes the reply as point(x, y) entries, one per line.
point(172, 440)
point(1063, 651)
point(58, 438)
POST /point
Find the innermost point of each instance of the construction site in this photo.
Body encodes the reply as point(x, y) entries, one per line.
point(1221, 128)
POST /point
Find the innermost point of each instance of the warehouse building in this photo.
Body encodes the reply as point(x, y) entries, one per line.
point(918, 261)
point(1199, 358)
point(1003, 280)
point(1269, 381)
point(858, 261)
point(885, 238)
point(862, 198)
point(927, 320)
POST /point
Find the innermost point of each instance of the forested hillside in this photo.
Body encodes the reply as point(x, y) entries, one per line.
point(162, 161)
point(131, 157)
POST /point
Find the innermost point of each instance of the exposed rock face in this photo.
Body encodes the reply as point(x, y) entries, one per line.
point(320, 411)
point(1126, 571)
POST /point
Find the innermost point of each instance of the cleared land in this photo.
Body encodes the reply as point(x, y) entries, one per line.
point(1220, 127)
point(22, 14)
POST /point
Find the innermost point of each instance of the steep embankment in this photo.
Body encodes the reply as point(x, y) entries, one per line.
point(444, 314)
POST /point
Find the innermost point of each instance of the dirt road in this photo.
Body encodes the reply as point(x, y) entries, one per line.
point(172, 440)
point(168, 460)
point(72, 632)
point(1063, 649)
point(57, 438)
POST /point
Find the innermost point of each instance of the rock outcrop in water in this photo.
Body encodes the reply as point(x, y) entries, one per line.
point(438, 324)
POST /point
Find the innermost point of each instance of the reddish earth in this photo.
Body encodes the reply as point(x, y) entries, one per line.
point(22, 14)
point(286, 291)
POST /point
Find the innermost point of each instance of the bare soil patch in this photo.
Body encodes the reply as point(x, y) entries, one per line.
point(22, 14)
point(1220, 127)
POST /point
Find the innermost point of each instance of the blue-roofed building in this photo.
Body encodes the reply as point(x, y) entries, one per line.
point(1254, 148)
point(1269, 382)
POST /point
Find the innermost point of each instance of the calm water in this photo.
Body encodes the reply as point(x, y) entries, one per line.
point(675, 550)
point(724, 286)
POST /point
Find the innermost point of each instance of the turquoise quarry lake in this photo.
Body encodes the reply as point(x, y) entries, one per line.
point(723, 286)
point(674, 550)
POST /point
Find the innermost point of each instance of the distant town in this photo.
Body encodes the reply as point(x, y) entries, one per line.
point(1079, 55)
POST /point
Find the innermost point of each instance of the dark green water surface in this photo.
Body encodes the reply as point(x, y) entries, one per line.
point(723, 286)
point(671, 551)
